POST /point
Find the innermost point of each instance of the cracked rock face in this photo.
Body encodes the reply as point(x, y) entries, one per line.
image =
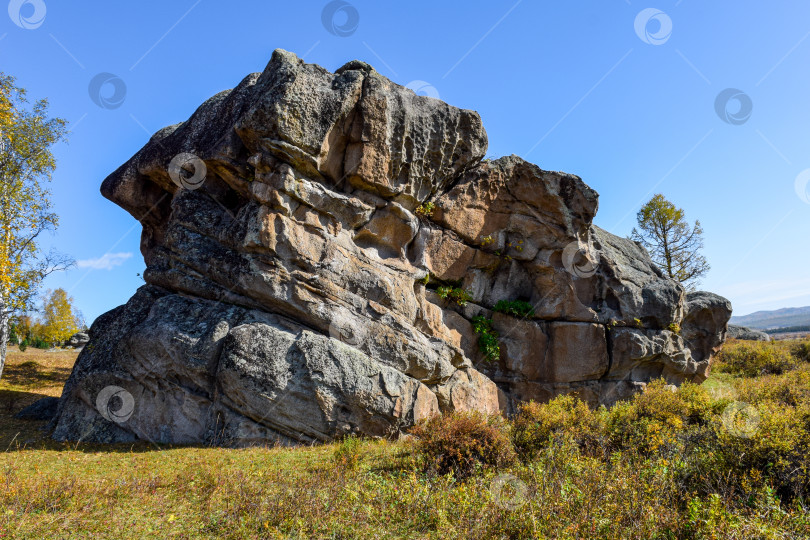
point(300, 232)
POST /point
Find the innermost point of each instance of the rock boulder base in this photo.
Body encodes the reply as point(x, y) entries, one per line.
point(301, 232)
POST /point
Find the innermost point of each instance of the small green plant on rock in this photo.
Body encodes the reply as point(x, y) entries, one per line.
point(425, 209)
point(517, 246)
point(487, 338)
point(675, 328)
point(516, 308)
point(425, 280)
point(456, 294)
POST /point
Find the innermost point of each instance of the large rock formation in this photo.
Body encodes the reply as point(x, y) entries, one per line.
point(750, 334)
point(296, 231)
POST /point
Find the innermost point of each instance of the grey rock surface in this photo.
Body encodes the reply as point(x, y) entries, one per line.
point(704, 326)
point(743, 332)
point(296, 232)
point(79, 339)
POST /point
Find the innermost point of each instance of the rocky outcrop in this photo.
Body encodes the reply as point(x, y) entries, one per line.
point(705, 324)
point(318, 246)
point(78, 340)
point(743, 332)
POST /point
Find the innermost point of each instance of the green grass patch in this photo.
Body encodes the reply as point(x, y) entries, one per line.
point(456, 294)
point(515, 308)
point(665, 464)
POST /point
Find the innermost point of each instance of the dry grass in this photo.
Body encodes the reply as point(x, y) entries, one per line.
point(380, 489)
point(27, 377)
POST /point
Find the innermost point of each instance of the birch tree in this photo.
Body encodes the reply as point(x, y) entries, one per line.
point(26, 165)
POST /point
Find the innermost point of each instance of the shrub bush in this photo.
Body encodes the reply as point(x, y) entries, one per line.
point(536, 425)
point(757, 358)
point(770, 455)
point(347, 453)
point(775, 454)
point(653, 420)
point(516, 308)
point(757, 445)
point(801, 351)
point(462, 442)
point(791, 389)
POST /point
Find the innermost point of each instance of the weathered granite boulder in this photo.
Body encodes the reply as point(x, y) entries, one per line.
point(743, 332)
point(78, 340)
point(301, 233)
point(705, 325)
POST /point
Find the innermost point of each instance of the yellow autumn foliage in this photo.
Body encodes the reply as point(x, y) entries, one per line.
point(59, 318)
point(26, 165)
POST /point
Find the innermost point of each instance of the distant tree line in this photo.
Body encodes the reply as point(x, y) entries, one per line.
point(57, 321)
point(788, 329)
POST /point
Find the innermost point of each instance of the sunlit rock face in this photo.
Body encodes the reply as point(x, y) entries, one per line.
point(300, 233)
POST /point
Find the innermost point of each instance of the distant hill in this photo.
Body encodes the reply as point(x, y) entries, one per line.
point(779, 318)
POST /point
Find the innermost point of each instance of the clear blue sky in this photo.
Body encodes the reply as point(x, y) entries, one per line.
point(571, 86)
